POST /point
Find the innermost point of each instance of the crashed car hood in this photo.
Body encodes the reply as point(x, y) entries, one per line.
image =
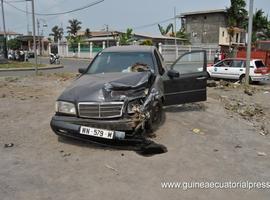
point(99, 87)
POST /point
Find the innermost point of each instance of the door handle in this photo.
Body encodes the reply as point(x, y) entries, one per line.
point(226, 69)
point(241, 70)
point(201, 78)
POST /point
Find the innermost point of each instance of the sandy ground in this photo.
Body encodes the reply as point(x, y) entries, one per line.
point(222, 139)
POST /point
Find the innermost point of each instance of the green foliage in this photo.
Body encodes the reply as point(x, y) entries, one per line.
point(260, 26)
point(57, 33)
point(14, 44)
point(73, 41)
point(237, 14)
point(147, 43)
point(74, 26)
point(126, 38)
point(166, 31)
point(182, 34)
point(87, 33)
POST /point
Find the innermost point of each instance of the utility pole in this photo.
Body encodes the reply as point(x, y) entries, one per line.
point(107, 31)
point(34, 35)
point(175, 41)
point(4, 28)
point(250, 21)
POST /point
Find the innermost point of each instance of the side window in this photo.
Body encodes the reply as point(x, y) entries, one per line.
point(159, 64)
point(190, 63)
point(237, 63)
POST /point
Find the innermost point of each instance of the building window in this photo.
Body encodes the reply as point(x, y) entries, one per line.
point(205, 17)
point(223, 33)
point(237, 37)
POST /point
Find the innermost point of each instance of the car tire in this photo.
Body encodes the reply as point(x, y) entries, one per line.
point(156, 117)
point(242, 79)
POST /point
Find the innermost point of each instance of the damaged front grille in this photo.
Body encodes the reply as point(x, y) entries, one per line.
point(100, 109)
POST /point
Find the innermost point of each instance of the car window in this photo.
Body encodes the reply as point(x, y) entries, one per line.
point(259, 64)
point(225, 63)
point(109, 62)
point(159, 63)
point(189, 63)
point(237, 63)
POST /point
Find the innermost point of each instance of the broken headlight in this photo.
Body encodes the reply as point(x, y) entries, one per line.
point(65, 107)
point(134, 105)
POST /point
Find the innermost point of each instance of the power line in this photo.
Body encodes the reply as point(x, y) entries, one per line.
point(59, 13)
point(153, 24)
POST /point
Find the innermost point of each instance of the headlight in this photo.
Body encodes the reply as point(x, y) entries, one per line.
point(133, 105)
point(65, 107)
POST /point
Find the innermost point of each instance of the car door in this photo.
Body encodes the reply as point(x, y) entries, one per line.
point(236, 69)
point(220, 70)
point(186, 81)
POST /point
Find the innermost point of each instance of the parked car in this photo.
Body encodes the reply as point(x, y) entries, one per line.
point(122, 93)
point(234, 68)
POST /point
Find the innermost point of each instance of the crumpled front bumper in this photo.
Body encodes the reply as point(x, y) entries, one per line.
point(70, 127)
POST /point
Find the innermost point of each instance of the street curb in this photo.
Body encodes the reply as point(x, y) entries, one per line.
point(32, 68)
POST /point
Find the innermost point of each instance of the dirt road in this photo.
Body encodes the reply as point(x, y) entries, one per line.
point(223, 139)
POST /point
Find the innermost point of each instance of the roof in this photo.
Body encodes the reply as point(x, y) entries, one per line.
point(157, 37)
point(201, 12)
point(9, 33)
point(130, 48)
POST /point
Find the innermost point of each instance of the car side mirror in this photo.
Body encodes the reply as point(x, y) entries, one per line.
point(173, 73)
point(82, 70)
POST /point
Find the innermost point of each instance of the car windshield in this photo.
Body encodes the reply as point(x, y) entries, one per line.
point(109, 62)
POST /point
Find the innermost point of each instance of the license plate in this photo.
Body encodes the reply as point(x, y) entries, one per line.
point(96, 132)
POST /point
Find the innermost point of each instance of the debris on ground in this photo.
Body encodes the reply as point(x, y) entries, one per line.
point(266, 92)
point(211, 83)
point(197, 131)
point(244, 109)
point(264, 131)
point(238, 146)
point(111, 168)
point(261, 153)
point(8, 145)
point(248, 91)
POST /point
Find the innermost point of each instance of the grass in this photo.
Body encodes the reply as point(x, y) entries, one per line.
point(14, 64)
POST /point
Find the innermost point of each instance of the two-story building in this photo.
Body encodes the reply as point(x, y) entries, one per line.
point(211, 27)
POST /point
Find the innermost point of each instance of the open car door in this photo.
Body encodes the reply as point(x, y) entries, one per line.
point(187, 79)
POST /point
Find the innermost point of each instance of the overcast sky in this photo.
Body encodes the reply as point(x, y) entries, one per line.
point(118, 14)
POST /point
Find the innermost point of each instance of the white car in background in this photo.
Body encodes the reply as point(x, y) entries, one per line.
point(234, 68)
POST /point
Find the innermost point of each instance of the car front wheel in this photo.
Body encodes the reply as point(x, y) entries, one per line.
point(156, 117)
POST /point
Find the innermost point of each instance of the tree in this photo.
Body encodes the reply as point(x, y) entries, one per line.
point(237, 17)
point(57, 33)
point(87, 33)
point(260, 26)
point(14, 44)
point(126, 38)
point(74, 26)
point(167, 30)
point(183, 35)
point(147, 43)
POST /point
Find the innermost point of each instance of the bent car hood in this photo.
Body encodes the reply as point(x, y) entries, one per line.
point(105, 87)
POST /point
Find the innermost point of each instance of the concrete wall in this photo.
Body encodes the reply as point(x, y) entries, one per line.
point(204, 28)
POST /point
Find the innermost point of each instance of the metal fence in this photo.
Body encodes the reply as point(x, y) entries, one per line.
point(171, 52)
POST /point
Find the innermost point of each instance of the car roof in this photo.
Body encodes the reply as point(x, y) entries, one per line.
point(130, 48)
point(244, 59)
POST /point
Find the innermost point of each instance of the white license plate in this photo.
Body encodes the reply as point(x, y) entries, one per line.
point(96, 132)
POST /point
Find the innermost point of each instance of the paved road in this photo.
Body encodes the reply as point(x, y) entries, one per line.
point(70, 65)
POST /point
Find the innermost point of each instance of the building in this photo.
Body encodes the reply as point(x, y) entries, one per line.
point(211, 27)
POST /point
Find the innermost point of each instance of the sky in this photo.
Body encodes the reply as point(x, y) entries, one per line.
point(117, 14)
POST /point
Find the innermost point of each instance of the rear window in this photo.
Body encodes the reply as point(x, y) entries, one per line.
point(259, 64)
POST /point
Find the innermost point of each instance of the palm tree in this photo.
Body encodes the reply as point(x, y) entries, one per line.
point(260, 25)
point(126, 38)
point(237, 17)
point(167, 30)
point(57, 33)
point(74, 26)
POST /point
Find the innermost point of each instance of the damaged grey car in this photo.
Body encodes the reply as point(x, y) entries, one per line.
point(122, 92)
